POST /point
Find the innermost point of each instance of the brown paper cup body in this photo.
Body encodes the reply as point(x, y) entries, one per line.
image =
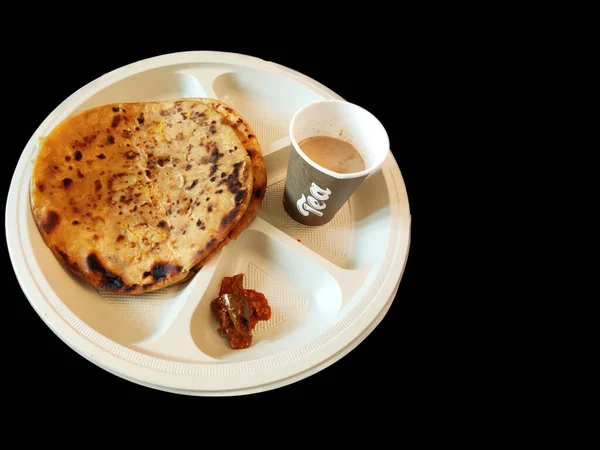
point(311, 197)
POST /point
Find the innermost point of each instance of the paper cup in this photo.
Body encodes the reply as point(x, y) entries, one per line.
point(314, 194)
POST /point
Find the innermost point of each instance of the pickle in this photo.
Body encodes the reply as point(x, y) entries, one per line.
point(238, 310)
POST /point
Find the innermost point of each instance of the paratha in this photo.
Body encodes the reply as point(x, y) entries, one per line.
point(259, 186)
point(259, 173)
point(133, 196)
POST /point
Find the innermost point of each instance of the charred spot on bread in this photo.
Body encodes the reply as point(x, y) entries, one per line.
point(109, 279)
point(228, 219)
point(63, 255)
point(50, 222)
point(232, 179)
point(239, 197)
point(191, 186)
point(162, 270)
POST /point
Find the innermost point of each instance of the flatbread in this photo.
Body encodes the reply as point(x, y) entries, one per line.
point(259, 173)
point(259, 187)
point(133, 196)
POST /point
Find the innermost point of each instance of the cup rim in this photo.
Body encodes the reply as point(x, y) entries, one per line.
point(331, 173)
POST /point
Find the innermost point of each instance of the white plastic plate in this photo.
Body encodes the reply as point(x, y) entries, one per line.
point(328, 286)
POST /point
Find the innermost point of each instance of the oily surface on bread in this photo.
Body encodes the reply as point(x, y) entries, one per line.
point(133, 196)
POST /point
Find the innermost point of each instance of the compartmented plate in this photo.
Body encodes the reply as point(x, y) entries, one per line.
point(328, 287)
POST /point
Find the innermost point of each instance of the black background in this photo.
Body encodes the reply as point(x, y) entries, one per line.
point(49, 371)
